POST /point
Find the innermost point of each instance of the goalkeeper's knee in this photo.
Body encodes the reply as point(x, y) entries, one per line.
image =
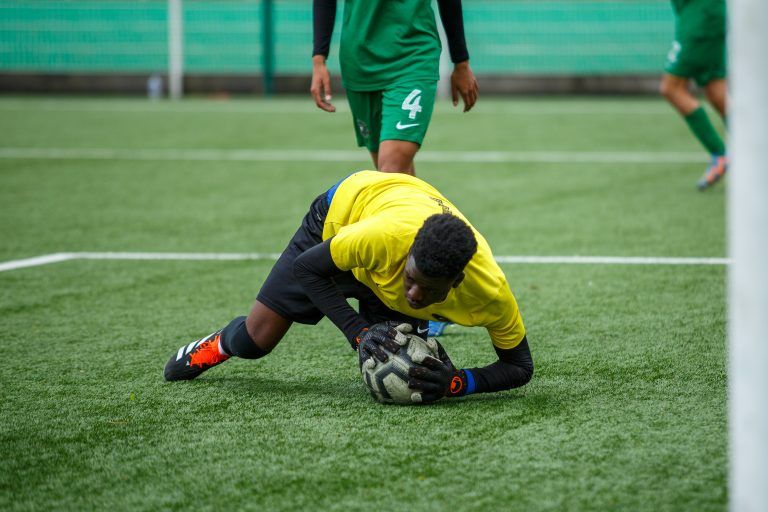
point(236, 341)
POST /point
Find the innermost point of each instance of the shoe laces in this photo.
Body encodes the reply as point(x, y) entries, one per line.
point(207, 354)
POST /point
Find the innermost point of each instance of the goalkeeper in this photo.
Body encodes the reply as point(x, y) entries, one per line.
point(408, 255)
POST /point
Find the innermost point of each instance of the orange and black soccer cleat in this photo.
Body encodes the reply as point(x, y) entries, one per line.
point(714, 172)
point(193, 359)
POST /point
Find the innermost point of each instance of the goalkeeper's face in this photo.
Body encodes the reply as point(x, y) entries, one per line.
point(421, 290)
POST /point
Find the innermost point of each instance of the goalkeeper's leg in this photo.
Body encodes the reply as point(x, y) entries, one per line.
point(249, 338)
point(280, 302)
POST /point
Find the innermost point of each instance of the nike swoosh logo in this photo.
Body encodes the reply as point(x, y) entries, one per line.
point(421, 331)
point(401, 126)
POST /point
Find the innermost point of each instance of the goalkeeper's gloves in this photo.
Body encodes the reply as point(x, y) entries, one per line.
point(437, 378)
point(374, 340)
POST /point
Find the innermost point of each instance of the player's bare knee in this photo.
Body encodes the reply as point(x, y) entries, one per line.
point(664, 89)
point(668, 89)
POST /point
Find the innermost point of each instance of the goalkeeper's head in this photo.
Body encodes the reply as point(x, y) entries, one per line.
point(442, 248)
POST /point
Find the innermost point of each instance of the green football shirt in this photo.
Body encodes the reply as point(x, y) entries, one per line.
point(388, 41)
point(699, 19)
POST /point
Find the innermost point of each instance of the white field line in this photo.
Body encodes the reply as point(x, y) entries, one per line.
point(611, 260)
point(326, 155)
point(178, 256)
point(36, 262)
point(186, 256)
point(225, 107)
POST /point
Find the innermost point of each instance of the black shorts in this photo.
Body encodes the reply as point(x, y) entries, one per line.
point(283, 294)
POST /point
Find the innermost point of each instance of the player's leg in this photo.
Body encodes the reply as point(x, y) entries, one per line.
point(710, 52)
point(686, 61)
point(264, 329)
point(711, 55)
point(366, 116)
point(281, 301)
point(717, 92)
point(249, 337)
point(675, 90)
point(692, 59)
point(405, 116)
point(393, 165)
point(397, 156)
point(701, 126)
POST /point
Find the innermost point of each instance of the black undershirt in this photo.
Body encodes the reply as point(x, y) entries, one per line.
point(315, 269)
point(323, 18)
point(513, 369)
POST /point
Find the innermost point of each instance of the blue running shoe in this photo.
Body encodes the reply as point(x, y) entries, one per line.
point(713, 173)
point(437, 328)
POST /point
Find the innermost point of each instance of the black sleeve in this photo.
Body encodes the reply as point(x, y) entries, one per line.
point(453, 23)
point(513, 369)
point(323, 18)
point(315, 269)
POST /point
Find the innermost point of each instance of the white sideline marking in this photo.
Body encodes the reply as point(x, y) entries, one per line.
point(177, 256)
point(611, 260)
point(35, 262)
point(329, 155)
point(182, 256)
point(308, 107)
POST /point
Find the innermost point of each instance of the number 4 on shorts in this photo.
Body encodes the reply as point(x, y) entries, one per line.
point(412, 103)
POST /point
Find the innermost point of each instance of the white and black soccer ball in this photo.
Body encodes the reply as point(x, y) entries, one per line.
point(388, 382)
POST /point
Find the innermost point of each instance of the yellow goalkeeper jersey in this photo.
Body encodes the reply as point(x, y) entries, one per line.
point(373, 219)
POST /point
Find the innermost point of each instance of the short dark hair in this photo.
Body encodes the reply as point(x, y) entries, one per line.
point(443, 246)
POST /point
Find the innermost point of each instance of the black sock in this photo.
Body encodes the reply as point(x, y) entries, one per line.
point(236, 341)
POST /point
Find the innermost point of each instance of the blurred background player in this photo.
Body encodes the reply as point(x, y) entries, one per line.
point(698, 53)
point(408, 255)
point(390, 56)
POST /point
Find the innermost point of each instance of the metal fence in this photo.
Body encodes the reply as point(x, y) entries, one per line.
point(227, 37)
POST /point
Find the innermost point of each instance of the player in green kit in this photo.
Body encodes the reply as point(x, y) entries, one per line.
point(698, 53)
point(389, 56)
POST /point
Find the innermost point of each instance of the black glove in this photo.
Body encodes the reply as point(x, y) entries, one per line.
point(442, 354)
point(436, 378)
point(373, 340)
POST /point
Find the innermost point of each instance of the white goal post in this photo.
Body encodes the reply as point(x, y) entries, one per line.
point(748, 248)
point(175, 49)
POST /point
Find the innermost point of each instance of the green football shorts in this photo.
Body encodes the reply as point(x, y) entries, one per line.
point(701, 59)
point(399, 112)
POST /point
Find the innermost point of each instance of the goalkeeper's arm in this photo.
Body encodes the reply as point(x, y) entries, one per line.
point(315, 270)
point(439, 378)
point(513, 369)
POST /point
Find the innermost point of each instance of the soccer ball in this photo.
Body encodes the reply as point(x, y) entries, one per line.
point(388, 382)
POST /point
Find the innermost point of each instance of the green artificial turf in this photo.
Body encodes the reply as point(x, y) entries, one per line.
point(626, 410)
